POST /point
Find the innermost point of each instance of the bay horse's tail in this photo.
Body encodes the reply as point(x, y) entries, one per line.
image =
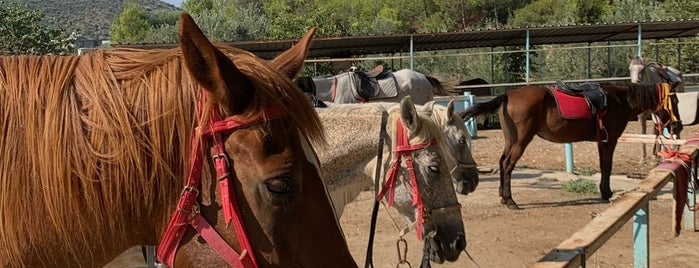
point(484, 108)
point(438, 88)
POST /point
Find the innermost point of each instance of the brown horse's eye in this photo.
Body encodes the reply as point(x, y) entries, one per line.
point(434, 168)
point(279, 186)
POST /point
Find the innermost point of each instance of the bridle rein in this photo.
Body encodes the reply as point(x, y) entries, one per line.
point(404, 149)
point(187, 210)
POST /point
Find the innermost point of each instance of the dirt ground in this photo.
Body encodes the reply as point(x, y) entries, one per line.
point(499, 237)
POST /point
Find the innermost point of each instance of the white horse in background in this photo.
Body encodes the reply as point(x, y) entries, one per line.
point(348, 165)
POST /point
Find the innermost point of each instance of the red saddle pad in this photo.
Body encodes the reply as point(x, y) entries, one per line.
point(571, 106)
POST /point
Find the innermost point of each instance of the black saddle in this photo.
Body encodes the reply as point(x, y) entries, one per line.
point(593, 93)
point(664, 72)
point(366, 84)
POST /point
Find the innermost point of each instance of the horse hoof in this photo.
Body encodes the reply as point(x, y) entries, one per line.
point(606, 196)
point(510, 203)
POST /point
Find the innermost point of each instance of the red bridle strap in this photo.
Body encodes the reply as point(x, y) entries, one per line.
point(403, 148)
point(187, 211)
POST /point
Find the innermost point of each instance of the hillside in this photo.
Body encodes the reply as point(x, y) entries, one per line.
point(92, 18)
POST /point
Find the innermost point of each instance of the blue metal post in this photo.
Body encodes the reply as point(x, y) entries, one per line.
point(569, 157)
point(411, 52)
point(639, 49)
point(471, 125)
point(679, 53)
point(527, 57)
point(640, 238)
point(492, 69)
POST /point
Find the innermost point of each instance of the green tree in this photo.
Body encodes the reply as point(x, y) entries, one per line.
point(197, 6)
point(22, 33)
point(131, 26)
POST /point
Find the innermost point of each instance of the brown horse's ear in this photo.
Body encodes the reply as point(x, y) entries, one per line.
point(290, 61)
point(212, 68)
point(408, 114)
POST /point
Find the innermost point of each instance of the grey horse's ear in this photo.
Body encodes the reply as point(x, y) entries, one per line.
point(450, 108)
point(408, 114)
point(630, 57)
point(450, 111)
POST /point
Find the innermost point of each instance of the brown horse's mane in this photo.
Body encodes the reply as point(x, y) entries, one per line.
point(641, 96)
point(100, 141)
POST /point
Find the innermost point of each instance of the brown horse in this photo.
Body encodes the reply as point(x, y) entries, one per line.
point(532, 110)
point(95, 149)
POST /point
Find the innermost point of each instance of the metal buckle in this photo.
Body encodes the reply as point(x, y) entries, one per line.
point(190, 189)
point(224, 157)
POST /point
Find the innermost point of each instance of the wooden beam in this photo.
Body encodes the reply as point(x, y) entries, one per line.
point(590, 238)
point(648, 138)
point(581, 245)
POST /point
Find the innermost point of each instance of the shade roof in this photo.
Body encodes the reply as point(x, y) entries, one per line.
point(334, 47)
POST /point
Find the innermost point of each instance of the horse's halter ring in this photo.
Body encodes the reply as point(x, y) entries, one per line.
point(404, 149)
point(187, 210)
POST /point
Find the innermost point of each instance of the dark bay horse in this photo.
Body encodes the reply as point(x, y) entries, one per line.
point(640, 71)
point(532, 110)
point(98, 149)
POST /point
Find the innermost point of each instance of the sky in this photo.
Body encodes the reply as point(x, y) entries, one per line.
point(173, 2)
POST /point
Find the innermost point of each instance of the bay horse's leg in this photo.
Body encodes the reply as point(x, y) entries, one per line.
point(606, 155)
point(513, 151)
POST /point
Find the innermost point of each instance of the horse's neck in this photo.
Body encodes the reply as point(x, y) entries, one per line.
point(348, 162)
point(352, 141)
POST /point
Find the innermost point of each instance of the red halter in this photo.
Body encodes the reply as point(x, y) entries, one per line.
point(187, 211)
point(403, 148)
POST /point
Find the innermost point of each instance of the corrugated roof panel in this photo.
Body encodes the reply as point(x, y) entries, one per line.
point(366, 45)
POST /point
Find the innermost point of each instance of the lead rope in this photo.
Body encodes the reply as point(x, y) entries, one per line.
point(377, 177)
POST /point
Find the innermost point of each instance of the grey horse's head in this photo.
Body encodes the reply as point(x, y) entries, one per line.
point(462, 166)
point(636, 67)
point(443, 228)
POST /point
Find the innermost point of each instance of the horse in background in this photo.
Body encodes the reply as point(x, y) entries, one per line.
point(103, 143)
point(534, 110)
point(640, 71)
point(487, 121)
point(355, 86)
point(349, 164)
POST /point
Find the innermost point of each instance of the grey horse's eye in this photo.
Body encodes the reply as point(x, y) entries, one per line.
point(462, 141)
point(434, 168)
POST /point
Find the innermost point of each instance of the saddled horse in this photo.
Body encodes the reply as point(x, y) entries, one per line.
point(349, 164)
point(355, 86)
point(640, 71)
point(99, 148)
point(533, 110)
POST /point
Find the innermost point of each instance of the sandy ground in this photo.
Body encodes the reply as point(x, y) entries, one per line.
point(499, 237)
